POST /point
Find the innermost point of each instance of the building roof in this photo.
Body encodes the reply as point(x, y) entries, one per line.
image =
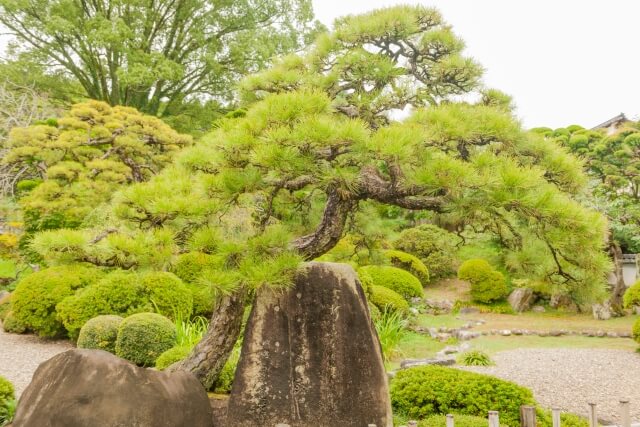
point(620, 118)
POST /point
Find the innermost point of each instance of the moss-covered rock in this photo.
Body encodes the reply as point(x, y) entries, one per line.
point(143, 337)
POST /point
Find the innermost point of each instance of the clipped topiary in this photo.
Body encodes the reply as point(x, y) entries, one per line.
point(408, 262)
point(431, 390)
point(117, 293)
point(171, 356)
point(487, 284)
point(100, 333)
point(396, 279)
point(386, 299)
point(435, 247)
point(143, 337)
point(12, 325)
point(34, 301)
point(189, 266)
point(632, 296)
point(169, 296)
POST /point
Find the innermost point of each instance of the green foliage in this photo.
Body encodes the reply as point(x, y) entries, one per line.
point(26, 185)
point(398, 280)
point(169, 296)
point(430, 390)
point(635, 332)
point(8, 412)
point(386, 299)
point(409, 263)
point(143, 337)
point(118, 293)
point(391, 328)
point(34, 301)
point(225, 379)
point(190, 266)
point(475, 358)
point(203, 300)
point(12, 325)
point(100, 333)
point(544, 419)
point(7, 402)
point(487, 284)
point(459, 420)
point(189, 332)
point(171, 356)
point(632, 296)
point(7, 391)
point(434, 246)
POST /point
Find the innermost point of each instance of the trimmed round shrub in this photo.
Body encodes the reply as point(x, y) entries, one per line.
point(410, 263)
point(487, 284)
point(7, 392)
point(203, 300)
point(143, 337)
point(171, 356)
point(100, 333)
point(635, 332)
point(117, 293)
point(396, 279)
point(169, 296)
point(12, 325)
point(459, 420)
point(387, 299)
point(435, 247)
point(632, 295)
point(189, 266)
point(431, 390)
point(34, 301)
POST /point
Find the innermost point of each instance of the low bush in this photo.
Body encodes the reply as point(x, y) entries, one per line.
point(431, 390)
point(100, 333)
point(387, 300)
point(189, 332)
point(169, 296)
point(632, 296)
point(396, 279)
point(225, 380)
point(475, 358)
point(203, 300)
point(189, 266)
point(567, 419)
point(118, 293)
point(487, 284)
point(410, 263)
point(635, 332)
point(5, 306)
point(7, 392)
point(171, 356)
point(143, 337)
point(458, 419)
point(34, 301)
point(12, 325)
point(434, 246)
point(7, 401)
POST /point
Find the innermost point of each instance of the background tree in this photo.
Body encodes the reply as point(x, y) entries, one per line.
point(280, 183)
point(155, 56)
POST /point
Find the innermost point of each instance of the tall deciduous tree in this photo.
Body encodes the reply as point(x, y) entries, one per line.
point(155, 55)
point(279, 184)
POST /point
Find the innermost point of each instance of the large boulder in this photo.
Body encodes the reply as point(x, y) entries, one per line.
point(311, 356)
point(93, 388)
point(602, 311)
point(563, 302)
point(521, 299)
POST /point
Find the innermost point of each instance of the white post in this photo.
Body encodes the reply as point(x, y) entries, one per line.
point(555, 417)
point(494, 419)
point(450, 420)
point(593, 418)
point(625, 415)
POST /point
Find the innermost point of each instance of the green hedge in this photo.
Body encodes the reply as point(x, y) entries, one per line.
point(386, 299)
point(7, 391)
point(431, 390)
point(396, 279)
point(435, 247)
point(143, 337)
point(632, 296)
point(460, 420)
point(169, 296)
point(487, 284)
point(410, 263)
point(203, 300)
point(12, 325)
point(34, 301)
point(171, 356)
point(636, 331)
point(100, 333)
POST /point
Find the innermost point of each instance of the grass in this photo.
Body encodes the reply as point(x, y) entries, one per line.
point(190, 331)
point(495, 344)
point(7, 268)
point(446, 320)
point(414, 346)
point(391, 328)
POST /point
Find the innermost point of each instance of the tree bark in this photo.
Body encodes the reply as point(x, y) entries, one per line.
point(619, 287)
point(208, 357)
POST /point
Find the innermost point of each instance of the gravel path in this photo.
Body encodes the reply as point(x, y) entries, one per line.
point(571, 378)
point(20, 355)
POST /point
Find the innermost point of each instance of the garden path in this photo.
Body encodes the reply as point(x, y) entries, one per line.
point(20, 355)
point(571, 378)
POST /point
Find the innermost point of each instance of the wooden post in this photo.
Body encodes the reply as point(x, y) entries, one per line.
point(527, 416)
point(593, 418)
point(555, 417)
point(494, 419)
point(450, 420)
point(625, 416)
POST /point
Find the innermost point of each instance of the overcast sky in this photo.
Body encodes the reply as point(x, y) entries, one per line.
point(563, 61)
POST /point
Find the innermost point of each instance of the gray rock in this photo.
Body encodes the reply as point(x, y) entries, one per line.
point(521, 299)
point(538, 309)
point(601, 311)
point(563, 302)
point(505, 332)
point(466, 335)
point(410, 363)
point(612, 335)
point(517, 332)
point(469, 310)
point(311, 356)
point(601, 334)
point(555, 333)
point(624, 334)
point(450, 349)
point(465, 346)
point(93, 388)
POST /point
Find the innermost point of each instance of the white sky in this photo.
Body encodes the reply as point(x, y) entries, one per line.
point(563, 61)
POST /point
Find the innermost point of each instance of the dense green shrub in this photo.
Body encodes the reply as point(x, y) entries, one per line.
point(118, 293)
point(635, 332)
point(567, 419)
point(475, 358)
point(396, 279)
point(408, 262)
point(7, 401)
point(487, 284)
point(190, 266)
point(100, 333)
point(225, 379)
point(34, 301)
point(143, 337)
point(7, 391)
point(26, 185)
point(5, 306)
point(385, 299)
point(632, 295)
point(12, 325)
point(429, 390)
point(434, 246)
point(171, 356)
point(203, 300)
point(459, 420)
point(169, 296)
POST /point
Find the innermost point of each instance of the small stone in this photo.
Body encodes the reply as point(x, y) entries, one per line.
point(612, 335)
point(465, 346)
point(624, 334)
point(601, 311)
point(538, 309)
point(450, 350)
point(410, 363)
point(517, 332)
point(469, 310)
point(543, 334)
point(601, 334)
point(555, 333)
point(521, 299)
point(505, 332)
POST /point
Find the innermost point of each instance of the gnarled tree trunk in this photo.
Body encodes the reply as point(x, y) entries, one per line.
point(619, 287)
